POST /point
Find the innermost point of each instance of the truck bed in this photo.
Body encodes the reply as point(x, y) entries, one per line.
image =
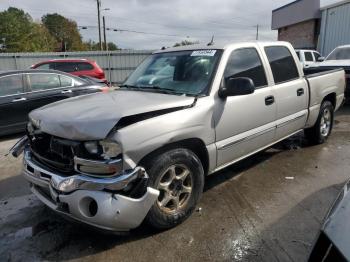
point(311, 72)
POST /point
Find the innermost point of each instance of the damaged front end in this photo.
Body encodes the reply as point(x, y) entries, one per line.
point(86, 183)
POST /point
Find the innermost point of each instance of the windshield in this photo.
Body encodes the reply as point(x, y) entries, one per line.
point(340, 53)
point(183, 72)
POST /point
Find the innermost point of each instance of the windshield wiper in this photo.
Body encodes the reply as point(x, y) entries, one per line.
point(156, 88)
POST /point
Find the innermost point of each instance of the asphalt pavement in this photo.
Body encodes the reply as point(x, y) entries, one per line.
point(268, 207)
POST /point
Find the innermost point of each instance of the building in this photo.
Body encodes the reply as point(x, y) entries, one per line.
point(335, 26)
point(298, 23)
point(307, 25)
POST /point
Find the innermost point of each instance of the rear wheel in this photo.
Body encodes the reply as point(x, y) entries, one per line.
point(178, 175)
point(319, 133)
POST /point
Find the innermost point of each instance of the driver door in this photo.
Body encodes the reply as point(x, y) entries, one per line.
point(245, 123)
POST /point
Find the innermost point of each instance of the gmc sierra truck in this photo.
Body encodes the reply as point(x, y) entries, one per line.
point(142, 152)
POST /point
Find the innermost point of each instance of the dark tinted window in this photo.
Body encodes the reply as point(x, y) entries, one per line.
point(66, 66)
point(282, 63)
point(308, 57)
point(43, 81)
point(317, 56)
point(82, 66)
point(11, 85)
point(46, 66)
point(246, 63)
point(298, 54)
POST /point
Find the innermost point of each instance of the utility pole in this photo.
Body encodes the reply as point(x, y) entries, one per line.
point(104, 33)
point(257, 32)
point(99, 22)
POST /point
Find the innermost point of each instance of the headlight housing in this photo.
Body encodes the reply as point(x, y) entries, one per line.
point(105, 148)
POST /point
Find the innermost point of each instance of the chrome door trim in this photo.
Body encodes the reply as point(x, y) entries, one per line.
point(255, 135)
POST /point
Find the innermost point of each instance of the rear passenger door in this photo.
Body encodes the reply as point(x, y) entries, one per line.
point(45, 88)
point(245, 123)
point(13, 104)
point(290, 91)
point(309, 58)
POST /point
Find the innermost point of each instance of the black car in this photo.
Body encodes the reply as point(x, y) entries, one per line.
point(333, 241)
point(23, 91)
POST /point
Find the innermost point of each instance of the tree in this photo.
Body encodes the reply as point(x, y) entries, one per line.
point(20, 34)
point(65, 31)
point(186, 42)
point(93, 46)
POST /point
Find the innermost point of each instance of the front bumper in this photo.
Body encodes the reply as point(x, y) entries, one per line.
point(89, 200)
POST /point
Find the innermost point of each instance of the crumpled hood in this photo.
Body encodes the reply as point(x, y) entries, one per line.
point(92, 117)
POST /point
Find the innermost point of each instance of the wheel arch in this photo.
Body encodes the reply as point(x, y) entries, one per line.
point(196, 145)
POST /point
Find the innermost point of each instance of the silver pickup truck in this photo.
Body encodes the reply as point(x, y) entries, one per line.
point(141, 152)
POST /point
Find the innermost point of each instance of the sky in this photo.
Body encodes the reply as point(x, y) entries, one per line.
point(162, 22)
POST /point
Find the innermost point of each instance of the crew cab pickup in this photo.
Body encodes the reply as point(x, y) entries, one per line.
point(141, 152)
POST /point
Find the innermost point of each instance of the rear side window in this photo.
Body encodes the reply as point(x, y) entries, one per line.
point(308, 57)
point(282, 64)
point(83, 66)
point(66, 81)
point(66, 66)
point(317, 56)
point(11, 85)
point(46, 66)
point(39, 82)
point(246, 63)
point(298, 54)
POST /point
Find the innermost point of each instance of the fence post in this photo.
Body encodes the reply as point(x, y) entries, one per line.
point(15, 57)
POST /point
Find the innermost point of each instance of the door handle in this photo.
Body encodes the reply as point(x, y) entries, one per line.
point(300, 91)
point(19, 99)
point(66, 91)
point(269, 100)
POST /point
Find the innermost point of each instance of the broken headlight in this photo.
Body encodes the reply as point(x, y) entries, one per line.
point(106, 149)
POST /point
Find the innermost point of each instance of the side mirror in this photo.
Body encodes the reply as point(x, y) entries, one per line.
point(321, 59)
point(236, 86)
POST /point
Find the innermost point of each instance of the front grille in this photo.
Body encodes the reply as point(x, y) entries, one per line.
point(55, 153)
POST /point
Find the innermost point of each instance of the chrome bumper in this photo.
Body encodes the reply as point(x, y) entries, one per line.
point(82, 198)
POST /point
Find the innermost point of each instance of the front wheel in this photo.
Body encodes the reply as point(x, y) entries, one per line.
point(319, 133)
point(178, 175)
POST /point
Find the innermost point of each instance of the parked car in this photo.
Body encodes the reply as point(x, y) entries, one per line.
point(141, 152)
point(78, 67)
point(25, 90)
point(338, 58)
point(333, 240)
point(94, 80)
point(308, 57)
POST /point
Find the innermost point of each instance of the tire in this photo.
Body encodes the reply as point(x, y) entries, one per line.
point(322, 129)
point(173, 173)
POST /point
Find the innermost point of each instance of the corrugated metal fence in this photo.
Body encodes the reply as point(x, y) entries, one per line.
point(116, 64)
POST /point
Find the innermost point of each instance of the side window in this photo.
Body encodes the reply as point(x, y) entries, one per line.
point(282, 64)
point(44, 66)
point(298, 54)
point(308, 57)
point(317, 56)
point(66, 81)
point(83, 66)
point(66, 66)
point(39, 81)
point(246, 63)
point(11, 85)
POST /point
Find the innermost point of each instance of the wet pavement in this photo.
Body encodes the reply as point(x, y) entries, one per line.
point(268, 207)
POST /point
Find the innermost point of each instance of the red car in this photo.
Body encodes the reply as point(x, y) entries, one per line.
point(78, 67)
